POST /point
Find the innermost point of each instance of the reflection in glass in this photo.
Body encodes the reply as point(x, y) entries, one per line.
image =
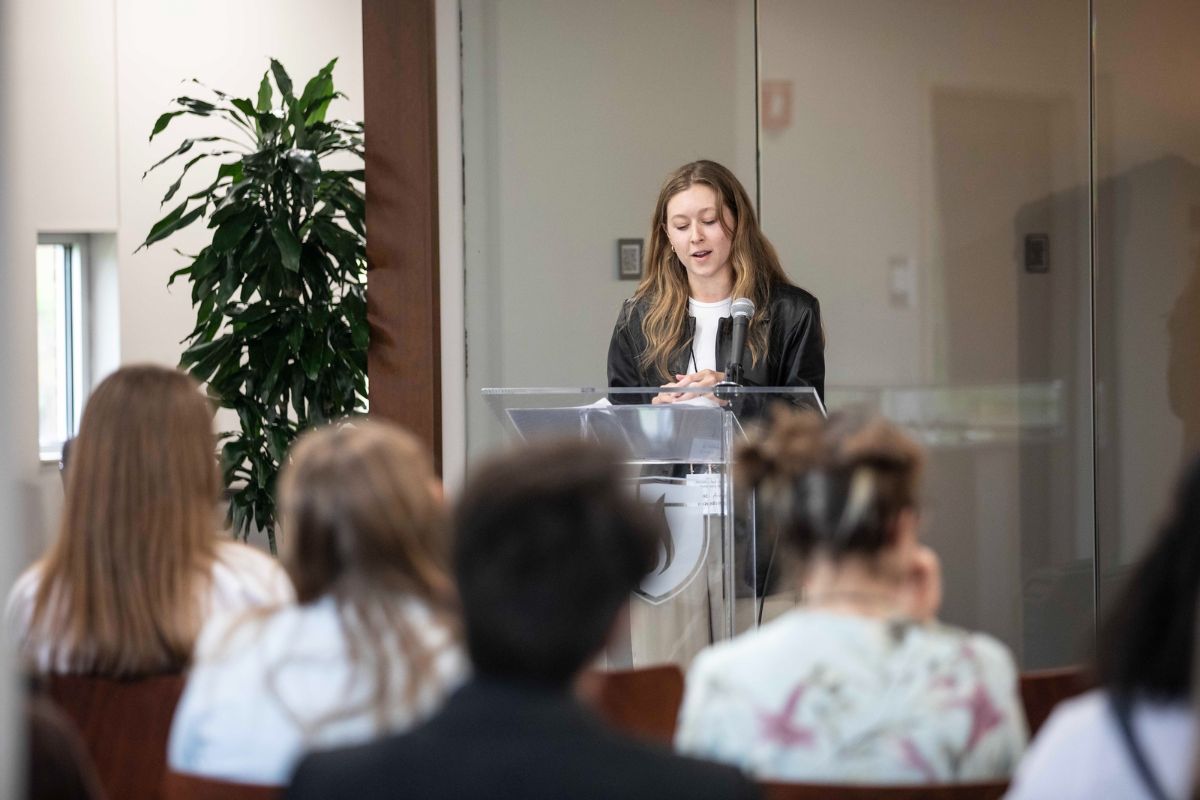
point(1147, 268)
point(931, 188)
point(1005, 242)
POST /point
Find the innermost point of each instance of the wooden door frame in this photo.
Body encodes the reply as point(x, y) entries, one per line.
point(403, 303)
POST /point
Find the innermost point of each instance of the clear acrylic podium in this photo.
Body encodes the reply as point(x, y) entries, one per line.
point(680, 455)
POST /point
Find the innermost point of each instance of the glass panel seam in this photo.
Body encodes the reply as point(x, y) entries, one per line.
point(1092, 238)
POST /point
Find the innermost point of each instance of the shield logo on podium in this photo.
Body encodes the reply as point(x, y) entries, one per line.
point(684, 552)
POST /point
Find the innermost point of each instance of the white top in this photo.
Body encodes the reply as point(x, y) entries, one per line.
point(242, 578)
point(833, 698)
point(262, 688)
point(1080, 752)
point(704, 342)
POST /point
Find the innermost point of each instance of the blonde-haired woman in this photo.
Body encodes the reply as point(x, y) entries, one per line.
point(371, 646)
point(861, 683)
point(706, 248)
point(139, 564)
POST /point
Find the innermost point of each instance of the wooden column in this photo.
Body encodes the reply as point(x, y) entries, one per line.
point(399, 76)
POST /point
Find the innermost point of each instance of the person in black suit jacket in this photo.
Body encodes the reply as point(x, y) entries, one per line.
point(549, 545)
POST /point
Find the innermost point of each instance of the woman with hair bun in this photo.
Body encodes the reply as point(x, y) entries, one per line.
point(860, 684)
point(706, 248)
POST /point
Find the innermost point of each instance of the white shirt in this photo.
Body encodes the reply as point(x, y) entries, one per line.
point(1080, 752)
point(704, 342)
point(242, 578)
point(816, 696)
point(262, 689)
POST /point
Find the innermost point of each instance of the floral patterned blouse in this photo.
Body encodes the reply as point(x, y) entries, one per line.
point(823, 697)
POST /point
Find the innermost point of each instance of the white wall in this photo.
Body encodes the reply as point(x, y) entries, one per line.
point(851, 183)
point(226, 44)
point(64, 180)
point(94, 76)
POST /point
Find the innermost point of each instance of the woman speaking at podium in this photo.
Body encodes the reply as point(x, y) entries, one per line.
point(706, 249)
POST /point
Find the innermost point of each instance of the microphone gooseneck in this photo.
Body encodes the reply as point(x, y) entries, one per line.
point(742, 310)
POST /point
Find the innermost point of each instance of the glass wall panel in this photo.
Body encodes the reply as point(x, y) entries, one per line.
point(924, 172)
point(1147, 267)
point(573, 113)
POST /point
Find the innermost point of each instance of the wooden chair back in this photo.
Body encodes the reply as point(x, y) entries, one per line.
point(58, 766)
point(1042, 690)
point(177, 786)
point(643, 702)
point(943, 791)
point(124, 725)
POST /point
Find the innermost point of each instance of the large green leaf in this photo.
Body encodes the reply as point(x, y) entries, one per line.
point(289, 245)
point(175, 186)
point(304, 163)
point(264, 93)
point(156, 230)
point(317, 94)
point(282, 80)
point(278, 360)
point(194, 106)
point(250, 326)
point(299, 380)
point(184, 146)
point(230, 205)
point(163, 121)
point(229, 284)
point(234, 229)
point(312, 354)
point(318, 85)
point(246, 107)
point(295, 337)
point(161, 231)
point(202, 360)
point(232, 170)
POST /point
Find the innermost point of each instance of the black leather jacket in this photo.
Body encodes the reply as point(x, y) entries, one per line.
point(795, 346)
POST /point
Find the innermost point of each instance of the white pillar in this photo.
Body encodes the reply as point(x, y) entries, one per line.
point(450, 244)
point(11, 460)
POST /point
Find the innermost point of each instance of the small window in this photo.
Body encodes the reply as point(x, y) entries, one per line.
point(61, 326)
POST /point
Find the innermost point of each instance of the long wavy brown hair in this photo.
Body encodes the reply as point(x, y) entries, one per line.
point(121, 590)
point(755, 265)
point(362, 522)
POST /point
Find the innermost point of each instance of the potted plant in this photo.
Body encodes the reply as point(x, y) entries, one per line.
point(281, 328)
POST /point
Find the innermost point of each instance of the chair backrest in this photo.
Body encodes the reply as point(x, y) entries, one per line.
point(1042, 690)
point(642, 702)
point(57, 763)
point(943, 791)
point(124, 724)
point(177, 786)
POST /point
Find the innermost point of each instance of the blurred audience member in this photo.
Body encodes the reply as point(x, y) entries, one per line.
point(138, 564)
point(372, 645)
point(1135, 735)
point(550, 543)
point(860, 684)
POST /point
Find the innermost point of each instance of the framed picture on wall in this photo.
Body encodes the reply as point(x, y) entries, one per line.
point(629, 259)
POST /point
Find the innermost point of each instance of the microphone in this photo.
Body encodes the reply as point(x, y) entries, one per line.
point(742, 310)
